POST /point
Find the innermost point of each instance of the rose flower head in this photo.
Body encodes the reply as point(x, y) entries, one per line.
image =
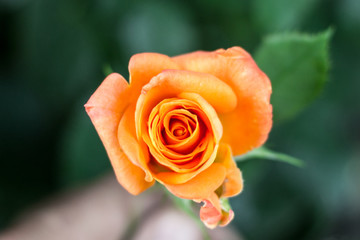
point(181, 120)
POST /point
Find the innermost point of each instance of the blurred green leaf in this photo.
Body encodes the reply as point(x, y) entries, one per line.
point(162, 26)
point(82, 156)
point(297, 65)
point(281, 15)
point(264, 153)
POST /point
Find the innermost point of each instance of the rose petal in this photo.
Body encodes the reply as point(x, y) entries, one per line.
point(105, 108)
point(201, 186)
point(111, 94)
point(169, 158)
point(171, 177)
point(136, 151)
point(226, 218)
point(144, 66)
point(165, 112)
point(211, 119)
point(190, 164)
point(249, 124)
point(170, 83)
point(212, 214)
point(233, 183)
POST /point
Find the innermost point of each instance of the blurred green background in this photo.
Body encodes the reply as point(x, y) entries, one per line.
point(52, 57)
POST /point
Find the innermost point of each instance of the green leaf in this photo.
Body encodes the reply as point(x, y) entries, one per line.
point(297, 65)
point(264, 153)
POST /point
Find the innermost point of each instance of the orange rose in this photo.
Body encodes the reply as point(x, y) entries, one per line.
point(180, 121)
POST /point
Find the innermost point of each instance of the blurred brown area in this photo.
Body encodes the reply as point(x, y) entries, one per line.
point(103, 210)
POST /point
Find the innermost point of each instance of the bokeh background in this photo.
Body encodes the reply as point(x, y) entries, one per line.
point(53, 55)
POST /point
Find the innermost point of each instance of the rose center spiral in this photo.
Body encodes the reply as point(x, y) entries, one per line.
point(179, 134)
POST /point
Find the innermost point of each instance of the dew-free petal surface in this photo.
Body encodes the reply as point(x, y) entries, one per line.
point(144, 66)
point(249, 124)
point(136, 151)
point(170, 83)
point(201, 186)
point(105, 109)
point(210, 212)
point(233, 184)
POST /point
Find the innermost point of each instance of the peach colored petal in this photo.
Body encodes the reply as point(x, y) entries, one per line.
point(173, 158)
point(180, 136)
point(214, 132)
point(226, 217)
point(234, 52)
point(233, 183)
point(180, 168)
point(136, 150)
point(212, 214)
point(112, 94)
point(165, 141)
point(201, 186)
point(254, 112)
point(144, 66)
point(249, 124)
point(172, 177)
point(211, 119)
point(105, 108)
point(213, 90)
point(170, 83)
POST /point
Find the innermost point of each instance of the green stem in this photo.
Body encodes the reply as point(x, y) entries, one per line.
point(268, 154)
